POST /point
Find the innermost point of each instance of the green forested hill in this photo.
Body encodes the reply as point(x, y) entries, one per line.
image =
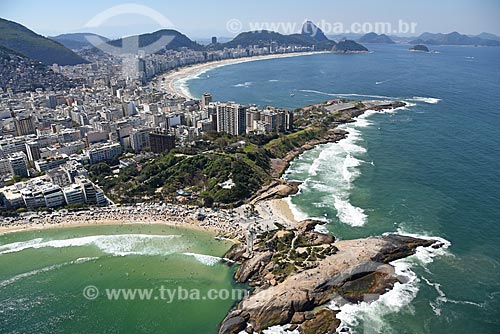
point(20, 39)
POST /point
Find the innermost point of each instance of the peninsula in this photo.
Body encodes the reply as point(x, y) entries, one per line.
point(296, 273)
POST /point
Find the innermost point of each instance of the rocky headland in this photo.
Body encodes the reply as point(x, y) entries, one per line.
point(295, 273)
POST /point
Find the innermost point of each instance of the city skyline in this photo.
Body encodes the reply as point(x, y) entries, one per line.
point(189, 19)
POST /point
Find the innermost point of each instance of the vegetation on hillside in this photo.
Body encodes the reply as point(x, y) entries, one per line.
point(217, 177)
point(22, 40)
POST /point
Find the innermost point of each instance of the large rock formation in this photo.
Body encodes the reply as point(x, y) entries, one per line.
point(313, 31)
point(295, 271)
point(348, 46)
point(419, 48)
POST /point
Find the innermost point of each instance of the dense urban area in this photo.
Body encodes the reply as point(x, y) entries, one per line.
point(69, 146)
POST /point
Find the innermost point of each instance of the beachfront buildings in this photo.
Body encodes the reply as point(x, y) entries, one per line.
point(42, 193)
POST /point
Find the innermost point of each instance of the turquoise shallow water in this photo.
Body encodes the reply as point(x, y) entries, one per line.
point(429, 169)
point(43, 275)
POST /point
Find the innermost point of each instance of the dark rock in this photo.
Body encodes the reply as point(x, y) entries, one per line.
point(235, 253)
point(400, 246)
point(419, 48)
point(324, 322)
point(233, 325)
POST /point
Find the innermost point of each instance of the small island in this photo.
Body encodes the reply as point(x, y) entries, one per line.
point(419, 48)
point(349, 46)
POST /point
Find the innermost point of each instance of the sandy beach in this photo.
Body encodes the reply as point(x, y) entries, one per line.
point(231, 224)
point(170, 80)
point(123, 222)
point(223, 222)
point(227, 223)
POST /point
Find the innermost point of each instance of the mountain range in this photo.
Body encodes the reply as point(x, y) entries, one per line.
point(173, 40)
point(57, 49)
point(310, 36)
point(76, 41)
point(454, 38)
point(485, 35)
point(26, 42)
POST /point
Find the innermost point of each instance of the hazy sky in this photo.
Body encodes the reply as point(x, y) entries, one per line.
point(204, 18)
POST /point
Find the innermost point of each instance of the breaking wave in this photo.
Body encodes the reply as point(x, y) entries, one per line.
point(43, 270)
point(121, 245)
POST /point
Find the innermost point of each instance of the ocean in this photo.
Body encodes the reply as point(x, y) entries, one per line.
point(45, 275)
point(429, 169)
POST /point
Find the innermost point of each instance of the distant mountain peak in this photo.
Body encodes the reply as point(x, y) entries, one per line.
point(453, 38)
point(76, 41)
point(372, 37)
point(150, 42)
point(313, 31)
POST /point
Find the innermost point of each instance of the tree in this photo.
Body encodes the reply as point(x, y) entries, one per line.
point(221, 143)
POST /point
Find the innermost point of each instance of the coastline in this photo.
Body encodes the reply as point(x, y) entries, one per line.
point(278, 298)
point(175, 216)
point(79, 223)
point(169, 81)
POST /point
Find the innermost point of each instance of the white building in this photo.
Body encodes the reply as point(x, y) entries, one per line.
point(54, 196)
point(73, 194)
point(104, 152)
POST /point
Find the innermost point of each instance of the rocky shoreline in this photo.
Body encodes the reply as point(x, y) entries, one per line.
point(333, 135)
point(295, 273)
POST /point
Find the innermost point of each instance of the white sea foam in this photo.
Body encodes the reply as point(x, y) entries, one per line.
point(321, 229)
point(43, 270)
point(442, 298)
point(208, 260)
point(348, 213)
point(19, 245)
point(337, 165)
point(426, 255)
point(298, 214)
point(273, 80)
point(246, 84)
point(430, 100)
point(371, 315)
point(347, 169)
point(399, 298)
point(121, 245)
point(343, 94)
